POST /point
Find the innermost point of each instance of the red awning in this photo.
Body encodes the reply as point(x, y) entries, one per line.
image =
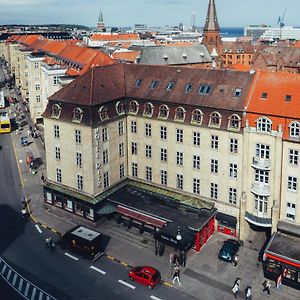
point(140, 216)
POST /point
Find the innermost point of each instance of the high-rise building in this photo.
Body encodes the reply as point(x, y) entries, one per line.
point(193, 21)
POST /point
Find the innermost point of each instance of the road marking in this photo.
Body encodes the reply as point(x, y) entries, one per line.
point(127, 284)
point(71, 256)
point(98, 270)
point(20, 284)
point(26, 289)
point(14, 279)
point(3, 269)
point(38, 228)
point(8, 274)
point(33, 293)
point(41, 295)
point(155, 298)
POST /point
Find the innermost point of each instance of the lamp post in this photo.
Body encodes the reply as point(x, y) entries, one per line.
point(178, 236)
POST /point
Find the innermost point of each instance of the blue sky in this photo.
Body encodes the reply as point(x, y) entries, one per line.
point(236, 13)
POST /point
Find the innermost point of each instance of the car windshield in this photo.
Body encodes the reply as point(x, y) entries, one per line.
point(155, 276)
point(137, 269)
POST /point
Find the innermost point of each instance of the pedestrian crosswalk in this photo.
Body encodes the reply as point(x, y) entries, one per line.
point(21, 285)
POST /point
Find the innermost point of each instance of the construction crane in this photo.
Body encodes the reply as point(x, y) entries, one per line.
point(281, 19)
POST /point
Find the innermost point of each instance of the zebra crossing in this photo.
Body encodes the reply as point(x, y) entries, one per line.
point(21, 285)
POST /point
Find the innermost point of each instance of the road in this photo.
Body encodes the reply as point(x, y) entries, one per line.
point(60, 274)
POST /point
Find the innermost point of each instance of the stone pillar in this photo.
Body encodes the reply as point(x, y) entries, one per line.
point(243, 225)
point(275, 216)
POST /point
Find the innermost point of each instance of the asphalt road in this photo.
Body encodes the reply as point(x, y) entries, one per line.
point(60, 274)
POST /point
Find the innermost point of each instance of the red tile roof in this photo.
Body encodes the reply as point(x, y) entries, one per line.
point(114, 37)
point(129, 56)
point(239, 67)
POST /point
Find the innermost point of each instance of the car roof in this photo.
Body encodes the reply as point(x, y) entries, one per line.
point(149, 270)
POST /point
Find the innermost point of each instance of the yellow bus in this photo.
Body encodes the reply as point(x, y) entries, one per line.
point(5, 126)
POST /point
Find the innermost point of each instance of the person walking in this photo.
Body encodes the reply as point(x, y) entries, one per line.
point(267, 286)
point(43, 177)
point(248, 293)
point(236, 287)
point(235, 260)
point(176, 275)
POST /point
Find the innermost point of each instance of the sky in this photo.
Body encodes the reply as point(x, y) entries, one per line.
point(122, 13)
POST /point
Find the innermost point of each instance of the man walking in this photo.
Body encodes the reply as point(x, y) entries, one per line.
point(176, 275)
point(267, 286)
point(248, 293)
point(236, 287)
point(235, 260)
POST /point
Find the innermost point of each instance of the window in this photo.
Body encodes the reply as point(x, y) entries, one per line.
point(197, 116)
point(38, 98)
point(179, 181)
point(214, 142)
point(77, 115)
point(134, 148)
point(234, 122)
point(179, 158)
point(293, 156)
point(153, 84)
point(179, 135)
point(214, 191)
point(163, 177)
point(56, 109)
point(36, 65)
point(295, 130)
point(237, 92)
point(163, 154)
point(261, 203)
point(57, 153)
point(134, 169)
point(148, 152)
point(148, 129)
point(290, 211)
point(214, 166)
point(138, 82)
point(58, 175)
point(288, 97)
point(163, 111)
point(37, 87)
point(262, 151)
point(77, 136)
point(196, 162)
point(120, 109)
point(105, 157)
point(105, 134)
point(80, 182)
point(103, 113)
point(233, 170)
point(163, 132)
point(55, 80)
point(133, 127)
point(179, 114)
point(188, 88)
point(148, 173)
point(148, 109)
point(204, 89)
point(215, 119)
point(78, 159)
point(292, 183)
point(170, 86)
point(262, 176)
point(233, 146)
point(56, 131)
point(196, 138)
point(196, 186)
point(121, 128)
point(121, 149)
point(122, 171)
point(133, 107)
point(106, 179)
point(264, 125)
point(264, 96)
point(232, 195)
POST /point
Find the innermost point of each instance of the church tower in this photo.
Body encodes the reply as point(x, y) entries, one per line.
point(211, 31)
point(100, 24)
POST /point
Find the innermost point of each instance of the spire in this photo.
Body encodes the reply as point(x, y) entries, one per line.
point(211, 23)
point(100, 20)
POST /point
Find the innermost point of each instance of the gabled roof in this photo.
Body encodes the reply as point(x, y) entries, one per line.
point(237, 46)
point(129, 56)
point(114, 36)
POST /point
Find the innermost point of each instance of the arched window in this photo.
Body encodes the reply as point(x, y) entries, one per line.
point(103, 113)
point(264, 125)
point(120, 109)
point(148, 109)
point(77, 114)
point(295, 130)
point(163, 111)
point(133, 107)
point(197, 116)
point(234, 122)
point(215, 119)
point(56, 109)
point(179, 114)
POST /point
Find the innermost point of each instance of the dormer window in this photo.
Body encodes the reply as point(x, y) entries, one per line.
point(215, 119)
point(103, 113)
point(288, 97)
point(295, 130)
point(133, 107)
point(56, 109)
point(237, 92)
point(264, 96)
point(180, 114)
point(120, 108)
point(138, 83)
point(163, 111)
point(77, 115)
point(197, 116)
point(153, 84)
point(148, 109)
point(204, 89)
point(170, 86)
point(264, 125)
point(188, 88)
point(234, 122)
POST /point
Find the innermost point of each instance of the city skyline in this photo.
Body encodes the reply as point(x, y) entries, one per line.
point(231, 13)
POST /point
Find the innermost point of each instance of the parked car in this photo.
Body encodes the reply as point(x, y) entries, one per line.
point(229, 249)
point(145, 275)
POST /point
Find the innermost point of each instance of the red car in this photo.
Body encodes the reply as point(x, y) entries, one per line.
point(145, 275)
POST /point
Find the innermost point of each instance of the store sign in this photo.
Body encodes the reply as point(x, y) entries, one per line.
point(169, 239)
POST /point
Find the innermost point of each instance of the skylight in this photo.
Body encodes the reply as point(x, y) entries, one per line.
point(153, 84)
point(170, 86)
point(188, 88)
point(204, 89)
point(264, 95)
point(138, 82)
point(288, 97)
point(237, 92)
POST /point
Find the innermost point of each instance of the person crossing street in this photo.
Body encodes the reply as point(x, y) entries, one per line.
point(176, 276)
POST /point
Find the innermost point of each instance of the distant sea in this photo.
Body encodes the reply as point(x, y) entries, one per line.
point(232, 32)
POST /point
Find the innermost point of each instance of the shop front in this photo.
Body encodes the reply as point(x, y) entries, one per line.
point(226, 224)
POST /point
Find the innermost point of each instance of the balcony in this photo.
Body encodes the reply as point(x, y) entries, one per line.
point(258, 220)
point(261, 163)
point(261, 189)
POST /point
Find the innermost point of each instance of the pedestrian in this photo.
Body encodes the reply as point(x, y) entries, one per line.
point(248, 293)
point(235, 260)
point(176, 275)
point(236, 287)
point(175, 261)
point(267, 286)
point(43, 177)
point(29, 132)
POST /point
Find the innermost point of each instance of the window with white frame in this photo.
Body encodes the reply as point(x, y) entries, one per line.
point(262, 176)
point(133, 107)
point(37, 87)
point(122, 171)
point(179, 114)
point(133, 127)
point(103, 113)
point(77, 115)
point(105, 157)
point(80, 182)
point(56, 131)
point(55, 80)
point(232, 195)
point(121, 149)
point(148, 151)
point(261, 203)
point(234, 122)
point(214, 142)
point(214, 191)
point(262, 151)
point(77, 136)
point(237, 92)
point(105, 134)
point(233, 146)
point(264, 125)
point(148, 110)
point(295, 130)
point(134, 169)
point(290, 211)
point(57, 153)
point(56, 109)
point(38, 98)
point(232, 170)
point(163, 154)
point(134, 148)
point(148, 173)
point(179, 135)
point(163, 112)
point(148, 129)
point(120, 109)
point(163, 177)
point(293, 157)
point(179, 181)
point(215, 119)
point(196, 162)
point(58, 176)
point(179, 158)
point(196, 186)
point(214, 166)
point(121, 127)
point(36, 65)
point(197, 116)
point(163, 132)
point(106, 179)
point(196, 138)
point(292, 183)
point(79, 159)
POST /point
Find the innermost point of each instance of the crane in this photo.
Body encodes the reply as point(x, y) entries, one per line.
point(281, 19)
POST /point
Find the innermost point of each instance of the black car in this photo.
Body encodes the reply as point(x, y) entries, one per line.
point(229, 250)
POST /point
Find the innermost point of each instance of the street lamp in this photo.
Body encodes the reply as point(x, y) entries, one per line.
point(178, 236)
